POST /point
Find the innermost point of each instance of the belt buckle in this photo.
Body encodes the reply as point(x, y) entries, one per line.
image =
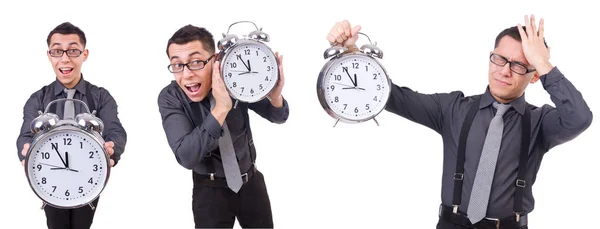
point(245, 177)
point(497, 221)
point(212, 176)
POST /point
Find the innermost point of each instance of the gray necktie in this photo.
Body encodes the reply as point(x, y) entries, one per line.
point(233, 176)
point(69, 112)
point(480, 194)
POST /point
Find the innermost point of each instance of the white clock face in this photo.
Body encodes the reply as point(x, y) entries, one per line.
point(67, 168)
point(356, 88)
point(250, 71)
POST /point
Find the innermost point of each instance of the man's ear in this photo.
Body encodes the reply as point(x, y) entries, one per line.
point(535, 77)
point(86, 52)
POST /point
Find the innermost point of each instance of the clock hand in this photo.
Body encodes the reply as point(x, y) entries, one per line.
point(346, 70)
point(67, 159)
point(246, 73)
point(358, 88)
point(343, 84)
point(240, 57)
point(61, 159)
point(355, 80)
point(64, 169)
point(249, 67)
point(55, 167)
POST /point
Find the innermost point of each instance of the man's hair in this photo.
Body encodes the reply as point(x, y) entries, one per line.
point(512, 32)
point(191, 33)
point(67, 28)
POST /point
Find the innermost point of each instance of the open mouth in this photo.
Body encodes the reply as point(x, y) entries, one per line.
point(65, 70)
point(193, 88)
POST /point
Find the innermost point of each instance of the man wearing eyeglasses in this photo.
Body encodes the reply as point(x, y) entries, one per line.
point(67, 53)
point(202, 128)
point(493, 142)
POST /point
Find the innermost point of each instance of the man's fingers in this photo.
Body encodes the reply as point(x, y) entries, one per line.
point(25, 148)
point(112, 162)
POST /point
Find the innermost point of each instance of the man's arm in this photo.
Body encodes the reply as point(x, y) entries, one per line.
point(265, 109)
point(571, 116)
point(30, 112)
point(113, 129)
point(425, 109)
point(189, 144)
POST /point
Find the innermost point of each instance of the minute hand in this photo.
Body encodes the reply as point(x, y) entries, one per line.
point(353, 82)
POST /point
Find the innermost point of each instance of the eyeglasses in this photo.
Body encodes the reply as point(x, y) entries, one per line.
point(192, 66)
point(70, 52)
point(516, 67)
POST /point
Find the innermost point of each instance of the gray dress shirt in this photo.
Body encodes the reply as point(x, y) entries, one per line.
point(105, 105)
point(193, 135)
point(445, 112)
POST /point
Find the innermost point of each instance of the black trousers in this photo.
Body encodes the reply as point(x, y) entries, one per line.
point(443, 224)
point(78, 218)
point(218, 207)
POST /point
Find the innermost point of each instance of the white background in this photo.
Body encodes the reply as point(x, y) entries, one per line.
point(351, 176)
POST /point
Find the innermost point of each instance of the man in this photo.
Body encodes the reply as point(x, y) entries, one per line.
point(487, 181)
point(67, 52)
point(198, 120)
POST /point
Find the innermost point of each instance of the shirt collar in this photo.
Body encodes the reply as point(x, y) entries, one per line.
point(60, 88)
point(487, 100)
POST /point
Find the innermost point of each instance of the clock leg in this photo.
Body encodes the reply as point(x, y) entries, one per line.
point(336, 122)
point(235, 104)
point(374, 119)
point(92, 206)
point(43, 205)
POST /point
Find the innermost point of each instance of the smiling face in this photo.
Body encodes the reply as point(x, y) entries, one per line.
point(506, 85)
point(67, 66)
point(195, 83)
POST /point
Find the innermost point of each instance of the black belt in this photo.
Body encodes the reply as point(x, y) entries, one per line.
point(447, 214)
point(220, 182)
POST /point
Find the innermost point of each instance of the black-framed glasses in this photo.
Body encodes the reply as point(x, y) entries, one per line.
point(515, 67)
point(60, 52)
point(192, 66)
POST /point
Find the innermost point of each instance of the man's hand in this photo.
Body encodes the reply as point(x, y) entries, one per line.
point(343, 33)
point(222, 98)
point(109, 146)
point(275, 95)
point(24, 152)
point(533, 45)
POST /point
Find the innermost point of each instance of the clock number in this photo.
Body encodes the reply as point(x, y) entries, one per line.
point(375, 99)
point(67, 193)
point(43, 180)
point(241, 88)
point(233, 65)
point(95, 168)
point(345, 105)
point(356, 110)
point(338, 77)
point(374, 76)
point(260, 87)
point(378, 87)
point(53, 189)
point(81, 145)
point(332, 87)
point(91, 181)
point(355, 65)
point(267, 78)
point(229, 74)
point(336, 99)
point(367, 106)
point(39, 167)
point(234, 84)
point(67, 141)
point(366, 68)
point(264, 57)
point(268, 68)
point(256, 52)
point(80, 189)
point(45, 155)
point(247, 51)
point(251, 91)
point(92, 154)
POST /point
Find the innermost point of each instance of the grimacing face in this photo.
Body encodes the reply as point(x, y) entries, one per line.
point(195, 83)
point(506, 85)
point(67, 68)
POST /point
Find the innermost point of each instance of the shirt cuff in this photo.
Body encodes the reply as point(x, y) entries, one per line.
point(551, 77)
point(280, 112)
point(212, 126)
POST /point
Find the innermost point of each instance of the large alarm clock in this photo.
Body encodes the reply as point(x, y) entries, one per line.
point(248, 66)
point(67, 165)
point(353, 87)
